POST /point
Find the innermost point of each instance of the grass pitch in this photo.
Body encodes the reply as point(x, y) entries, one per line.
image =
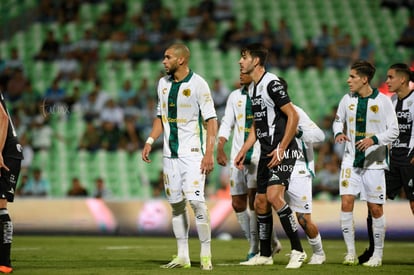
point(141, 255)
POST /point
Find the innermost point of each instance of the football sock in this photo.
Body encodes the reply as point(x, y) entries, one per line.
point(202, 220)
point(244, 221)
point(6, 237)
point(378, 228)
point(348, 231)
point(316, 244)
point(265, 225)
point(290, 226)
point(254, 239)
point(181, 227)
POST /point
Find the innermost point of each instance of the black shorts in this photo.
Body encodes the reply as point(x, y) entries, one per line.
point(278, 175)
point(8, 179)
point(400, 176)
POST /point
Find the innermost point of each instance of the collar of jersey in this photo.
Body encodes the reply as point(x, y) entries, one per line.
point(186, 79)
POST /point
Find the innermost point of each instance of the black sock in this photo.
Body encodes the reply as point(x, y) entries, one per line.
point(264, 226)
point(370, 233)
point(290, 226)
point(6, 237)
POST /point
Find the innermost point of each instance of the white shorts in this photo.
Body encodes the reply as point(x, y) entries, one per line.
point(368, 183)
point(299, 194)
point(183, 179)
point(242, 180)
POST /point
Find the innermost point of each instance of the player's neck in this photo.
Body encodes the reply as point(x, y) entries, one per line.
point(403, 92)
point(365, 91)
point(257, 74)
point(181, 74)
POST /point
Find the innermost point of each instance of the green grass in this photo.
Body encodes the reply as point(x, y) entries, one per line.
point(138, 255)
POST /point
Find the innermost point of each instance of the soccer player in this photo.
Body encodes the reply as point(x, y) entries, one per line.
point(299, 194)
point(401, 173)
point(185, 108)
point(371, 125)
point(238, 117)
point(275, 123)
point(10, 161)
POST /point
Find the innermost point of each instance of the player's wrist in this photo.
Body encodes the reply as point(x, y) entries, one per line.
point(149, 141)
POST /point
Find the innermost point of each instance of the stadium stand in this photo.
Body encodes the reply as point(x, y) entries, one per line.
point(316, 91)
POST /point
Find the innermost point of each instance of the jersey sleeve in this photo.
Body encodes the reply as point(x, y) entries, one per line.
point(228, 120)
point(309, 132)
point(205, 101)
point(392, 129)
point(278, 93)
point(338, 124)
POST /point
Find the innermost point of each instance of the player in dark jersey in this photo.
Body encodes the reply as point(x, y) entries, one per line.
point(10, 158)
point(275, 124)
point(401, 173)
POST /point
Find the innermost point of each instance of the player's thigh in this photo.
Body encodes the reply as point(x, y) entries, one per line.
point(193, 180)
point(238, 184)
point(8, 179)
point(299, 194)
point(349, 180)
point(407, 178)
point(393, 181)
point(373, 185)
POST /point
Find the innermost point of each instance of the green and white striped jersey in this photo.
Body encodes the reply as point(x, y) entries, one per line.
point(183, 108)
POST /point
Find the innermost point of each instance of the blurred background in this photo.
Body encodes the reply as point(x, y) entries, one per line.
point(80, 78)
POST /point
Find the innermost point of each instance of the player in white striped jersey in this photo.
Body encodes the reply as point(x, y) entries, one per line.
point(401, 173)
point(371, 125)
point(238, 118)
point(185, 111)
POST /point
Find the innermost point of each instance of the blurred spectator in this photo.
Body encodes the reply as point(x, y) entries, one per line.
point(323, 43)
point(91, 138)
point(158, 186)
point(406, 38)
point(150, 6)
point(14, 63)
point(231, 37)
point(54, 95)
point(223, 10)
point(111, 112)
point(342, 53)
point(248, 34)
point(130, 140)
point(188, 25)
point(283, 36)
point(208, 6)
point(110, 136)
point(156, 40)
point(168, 24)
point(30, 100)
point(50, 48)
point(118, 10)
point(92, 103)
point(41, 134)
point(144, 91)
point(73, 100)
point(69, 11)
point(207, 29)
point(308, 57)
point(68, 67)
point(126, 93)
point(36, 186)
point(365, 50)
point(104, 27)
point(76, 189)
point(15, 85)
point(47, 11)
point(326, 183)
point(87, 54)
point(140, 49)
point(119, 46)
point(66, 46)
point(21, 184)
point(101, 191)
point(219, 93)
point(326, 154)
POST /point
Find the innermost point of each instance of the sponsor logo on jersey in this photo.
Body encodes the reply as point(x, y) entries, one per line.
point(164, 91)
point(239, 103)
point(19, 147)
point(374, 108)
point(351, 119)
point(239, 116)
point(187, 92)
point(351, 107)
point(185, 105)
point(195, 149)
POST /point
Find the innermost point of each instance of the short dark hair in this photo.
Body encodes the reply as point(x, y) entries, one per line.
point(404, 69)
point(364, 68)
point(256, 50)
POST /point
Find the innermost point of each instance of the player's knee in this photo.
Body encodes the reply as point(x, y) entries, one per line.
point(200, 211)
point(239, 204)
point(178, 208)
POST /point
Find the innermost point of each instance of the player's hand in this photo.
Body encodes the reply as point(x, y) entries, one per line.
point(221, 158)
point(341, 138)
point(412, 161)
point(239, 160)
point(207, 164)
point(2, 165)
point(364, 143)
point(145, 152)
point(277, 156)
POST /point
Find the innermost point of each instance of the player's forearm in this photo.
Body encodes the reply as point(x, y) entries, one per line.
point(290, 132)
point(211, 135)
point(157, 128)
point(250, 141)
point(220, 144)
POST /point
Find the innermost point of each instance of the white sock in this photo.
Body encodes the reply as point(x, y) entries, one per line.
point(254, 237)
point(316, 244)
point(378, 229)
point(202, 221)
point(348, 231)
point(181, 227)
point(244, 221)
